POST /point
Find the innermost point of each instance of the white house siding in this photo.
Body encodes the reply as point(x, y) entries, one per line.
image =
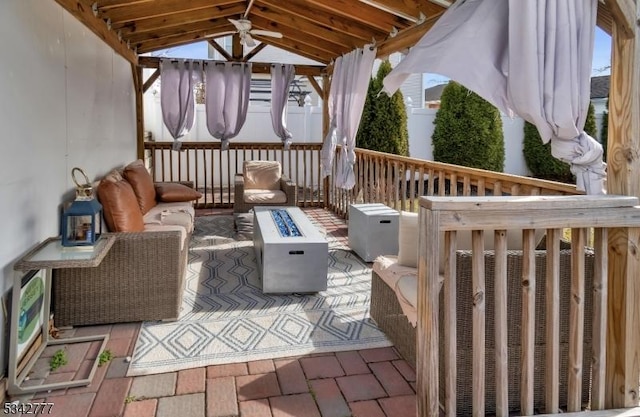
point(412, 87)
point(67, 100)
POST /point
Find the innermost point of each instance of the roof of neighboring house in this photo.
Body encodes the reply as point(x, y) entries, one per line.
point(599, 89)
point(600, 86)
point(433, 93)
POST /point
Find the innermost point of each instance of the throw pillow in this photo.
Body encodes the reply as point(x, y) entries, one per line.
point(174, 192)
point(408, 239)
point(140, 179)
point(120, 206)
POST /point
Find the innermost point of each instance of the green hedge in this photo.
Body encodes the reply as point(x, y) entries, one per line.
point(538, 156)
point(468, 130)
point(383, 126)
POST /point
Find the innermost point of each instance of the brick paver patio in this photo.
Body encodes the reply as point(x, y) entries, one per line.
point(365, 383)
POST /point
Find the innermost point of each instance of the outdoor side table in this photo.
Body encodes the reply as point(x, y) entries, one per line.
point(373, 230)
point(32, 292)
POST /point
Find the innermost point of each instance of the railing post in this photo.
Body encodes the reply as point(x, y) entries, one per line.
point(623, 337)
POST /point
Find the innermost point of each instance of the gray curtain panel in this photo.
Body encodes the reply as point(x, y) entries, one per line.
point(281, 77)
point(348, 93)
point(226, 99)
point(530, 58)
point(177, 101)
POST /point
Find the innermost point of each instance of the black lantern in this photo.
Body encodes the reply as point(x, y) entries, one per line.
point(82, 221)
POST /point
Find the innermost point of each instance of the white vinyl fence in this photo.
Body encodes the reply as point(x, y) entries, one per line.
point(305, 123)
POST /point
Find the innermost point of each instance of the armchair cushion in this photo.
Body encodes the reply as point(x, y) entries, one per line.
point(174, 192)
point(261, 175)
point(256, 196)
point(140, 179)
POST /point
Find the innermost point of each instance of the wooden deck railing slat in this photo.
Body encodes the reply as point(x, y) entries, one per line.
point(599, 339)
point(552, 330)
point(501, 319)
point(450, 326)
point(576, 320)
point(528, 321)
point(479, 321)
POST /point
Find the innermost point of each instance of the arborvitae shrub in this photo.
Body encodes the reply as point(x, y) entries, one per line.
point(383, 126)
point(538, 156)
point(468, 130)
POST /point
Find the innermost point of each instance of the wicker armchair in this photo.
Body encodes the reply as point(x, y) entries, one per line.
point(386, 311)
point(262, 184)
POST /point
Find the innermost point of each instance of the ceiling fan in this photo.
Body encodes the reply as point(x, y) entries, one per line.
point(243, 28)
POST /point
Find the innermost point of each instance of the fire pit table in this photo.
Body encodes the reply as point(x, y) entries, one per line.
point(291, 252)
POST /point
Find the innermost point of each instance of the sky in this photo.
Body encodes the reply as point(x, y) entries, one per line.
point(600, 65)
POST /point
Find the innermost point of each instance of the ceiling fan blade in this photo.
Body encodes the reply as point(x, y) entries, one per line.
point(248, 40)
point(219, 34)
point(270, 33)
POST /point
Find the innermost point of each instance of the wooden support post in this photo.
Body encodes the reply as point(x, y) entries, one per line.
point(623, 159)
point(136, 72)
point(237, 51)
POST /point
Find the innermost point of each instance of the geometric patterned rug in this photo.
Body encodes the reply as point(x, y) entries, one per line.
point(225, 317)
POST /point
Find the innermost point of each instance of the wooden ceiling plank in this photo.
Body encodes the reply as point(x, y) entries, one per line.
point(605, 20)
point(398, 8)
point(403, 8)
point(406, 38)
point(81, 10)
point(307, 37)
point(623, 13)
point(219, 25)
point(363, 13)
point(158, 8)
point(255, 51)
point(175, 20)
point(296, 10)
point(111, 4)
point(272, 20)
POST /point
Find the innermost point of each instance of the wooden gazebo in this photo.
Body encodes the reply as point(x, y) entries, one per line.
point(323, 30)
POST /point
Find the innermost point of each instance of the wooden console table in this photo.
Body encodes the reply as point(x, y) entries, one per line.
point(46, 257)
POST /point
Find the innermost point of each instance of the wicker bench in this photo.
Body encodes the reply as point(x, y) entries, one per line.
point(386, 311)
point(141, 277)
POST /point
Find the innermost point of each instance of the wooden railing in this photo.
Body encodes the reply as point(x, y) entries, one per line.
point(394, 180)
point(213, 170)
point(613, 340)
point(399, 181)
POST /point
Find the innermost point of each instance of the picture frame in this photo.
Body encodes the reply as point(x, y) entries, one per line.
point(30, 311)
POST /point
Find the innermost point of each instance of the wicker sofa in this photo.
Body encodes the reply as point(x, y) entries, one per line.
point(387, 312)
point(142, 276)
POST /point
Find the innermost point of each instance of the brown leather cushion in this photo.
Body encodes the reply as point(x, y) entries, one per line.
point(173, 192)
point(138, 176)
point(120, 206)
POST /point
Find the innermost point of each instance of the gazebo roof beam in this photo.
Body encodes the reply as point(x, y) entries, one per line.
point(81, 10)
